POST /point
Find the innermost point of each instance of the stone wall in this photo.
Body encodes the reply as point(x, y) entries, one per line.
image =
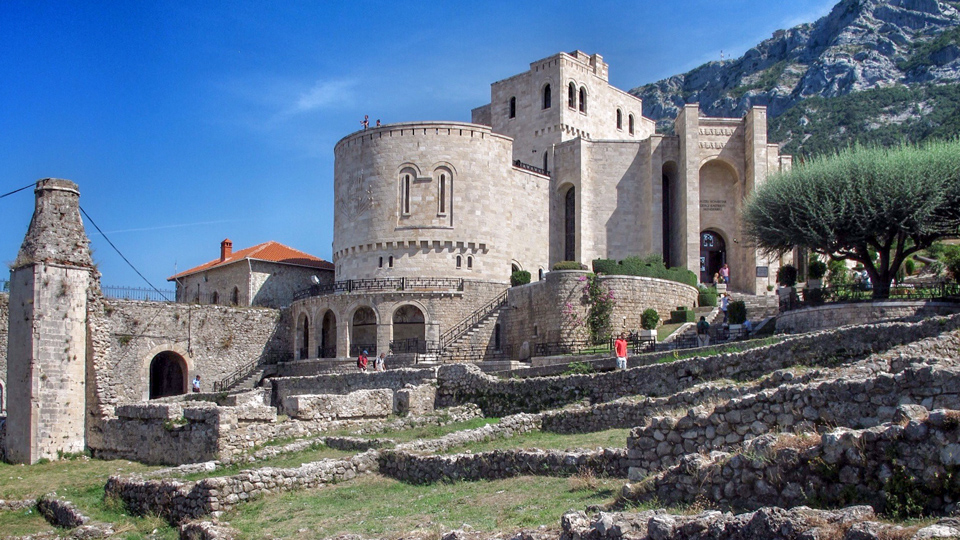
point(395, 379)
point(911, 462)
point(813, 408)
point(548, 311)
point(360, 404)
point(465, 383)
point(498, 464)
point(842, 314)
point(4, 318)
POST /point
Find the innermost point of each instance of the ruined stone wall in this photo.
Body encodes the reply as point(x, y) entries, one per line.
point(800, 408)
point(910, 462)
point(465, 383)
point(285, 387)
point(835, 315)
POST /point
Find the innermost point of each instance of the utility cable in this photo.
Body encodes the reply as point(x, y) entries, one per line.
point(30, 185)
point(94, 223)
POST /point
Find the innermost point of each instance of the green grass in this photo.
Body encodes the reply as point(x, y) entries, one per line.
point(375, 506)
point(611, 438)
point(80, 481)
point(666, 329)
point(431, 431)
point(315, 452)
point(22, 523)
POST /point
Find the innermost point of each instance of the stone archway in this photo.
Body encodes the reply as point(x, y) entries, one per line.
point(328, 336)
point(713, 254)
point(409, 329)
point(363, 331)
point(168, 375)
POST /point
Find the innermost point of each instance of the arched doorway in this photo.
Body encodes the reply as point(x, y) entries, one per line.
point(570, 225)
point(328, 336)
point(409, 330)
point(168, 375)
point(363, 332)
point(303, 337)
point(713, 254)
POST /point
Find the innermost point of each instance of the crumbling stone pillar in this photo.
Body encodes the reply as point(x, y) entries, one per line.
point(46, 353)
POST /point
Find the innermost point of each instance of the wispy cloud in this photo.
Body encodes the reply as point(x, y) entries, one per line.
point(324, 94)
point(159, 227)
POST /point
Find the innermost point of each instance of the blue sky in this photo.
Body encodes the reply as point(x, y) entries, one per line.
point(188, 122)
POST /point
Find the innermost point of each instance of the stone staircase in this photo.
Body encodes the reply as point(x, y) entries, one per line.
point(249, 381)
point(758, 307)
point(473, 345)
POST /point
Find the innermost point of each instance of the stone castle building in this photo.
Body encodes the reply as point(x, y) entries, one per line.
point(559, 166)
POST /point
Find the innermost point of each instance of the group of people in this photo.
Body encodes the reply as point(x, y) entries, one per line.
point(722, 276)
point(378, 362)
point(366, 121)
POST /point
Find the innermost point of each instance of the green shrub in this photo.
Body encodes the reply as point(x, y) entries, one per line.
point(520, 277)
point(606, 267)
point(578, 368)
point(707, 297)
point(952, 262)
point(910, 266)
point(837, 275)
point(649, 319)
point(816, 269)
point(737, 312)
point(569, 265)
point(683, 315)
point(682, 275)
point(787, 275)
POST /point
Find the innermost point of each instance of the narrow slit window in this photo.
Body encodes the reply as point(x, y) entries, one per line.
point(406, 194)
point(469, 262)
point(619, 119)
point(546, 97)
point(630, 123)
point(390, 261)
point(583, 100)
point(442, 188)
point(572, 96)
point(381, 262)
point(513, 107)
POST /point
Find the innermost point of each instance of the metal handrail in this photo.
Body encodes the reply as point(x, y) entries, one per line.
point(463, 326)
point(381, 284)
point(532, 168)
point(246, 369)
point(935, 290)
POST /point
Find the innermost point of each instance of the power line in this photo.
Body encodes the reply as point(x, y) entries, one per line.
point(94, 223)
point(30, 185)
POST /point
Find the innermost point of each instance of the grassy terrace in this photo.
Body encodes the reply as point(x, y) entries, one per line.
point(611, 438)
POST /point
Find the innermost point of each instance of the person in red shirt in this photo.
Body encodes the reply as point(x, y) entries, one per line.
point(362, 361)
point(620, 348)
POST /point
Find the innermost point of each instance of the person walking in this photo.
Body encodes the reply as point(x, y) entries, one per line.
point(620, 349)
point(725, 274)
point(724, 306)
point(362, 361)
point(378, 363)
point(703, 332)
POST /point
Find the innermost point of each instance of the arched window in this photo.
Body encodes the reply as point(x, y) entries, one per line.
point(381, 262)
point(546, 97)
point(619, 119)
point(469, 262)
point(572, 96)
point(630, 122)
point(215, 298)
point(513, 107)
point(390, 261)
point(459, 261)
point(583, 99)
point(540, 277)
point(442, 194)
point(405, 193)
point(235, 297)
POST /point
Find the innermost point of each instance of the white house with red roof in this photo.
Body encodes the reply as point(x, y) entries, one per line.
point(266, 274)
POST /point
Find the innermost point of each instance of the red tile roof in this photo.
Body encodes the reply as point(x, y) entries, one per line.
point(267, 251)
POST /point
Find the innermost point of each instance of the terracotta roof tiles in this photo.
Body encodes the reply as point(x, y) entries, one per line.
point(267, 251)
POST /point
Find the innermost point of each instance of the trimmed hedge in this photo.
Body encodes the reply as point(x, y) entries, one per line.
point(683, 315)
point(707, 297)
point(569, 265)
point(737, 312)
point(520, 277)
point(650, 266)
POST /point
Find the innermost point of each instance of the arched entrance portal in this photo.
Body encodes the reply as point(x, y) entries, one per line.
point(328, 336)
point(713, 253)
point(408, 330)
point(168, 375)
point(303, 337)
point(363, 332)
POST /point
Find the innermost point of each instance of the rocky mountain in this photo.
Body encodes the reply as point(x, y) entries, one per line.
point(865, 72)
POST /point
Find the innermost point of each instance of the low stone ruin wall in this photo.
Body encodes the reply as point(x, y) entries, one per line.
point(284, 387)
point(417, 469)
point(799, 408)
point(842, 314)
point(508, 426)
point(60, 513)
point(177, 501)
point(465, 383)
point(914, 462)
point(359, 404)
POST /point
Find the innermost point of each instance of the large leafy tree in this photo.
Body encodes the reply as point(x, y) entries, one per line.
point(873, 205)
